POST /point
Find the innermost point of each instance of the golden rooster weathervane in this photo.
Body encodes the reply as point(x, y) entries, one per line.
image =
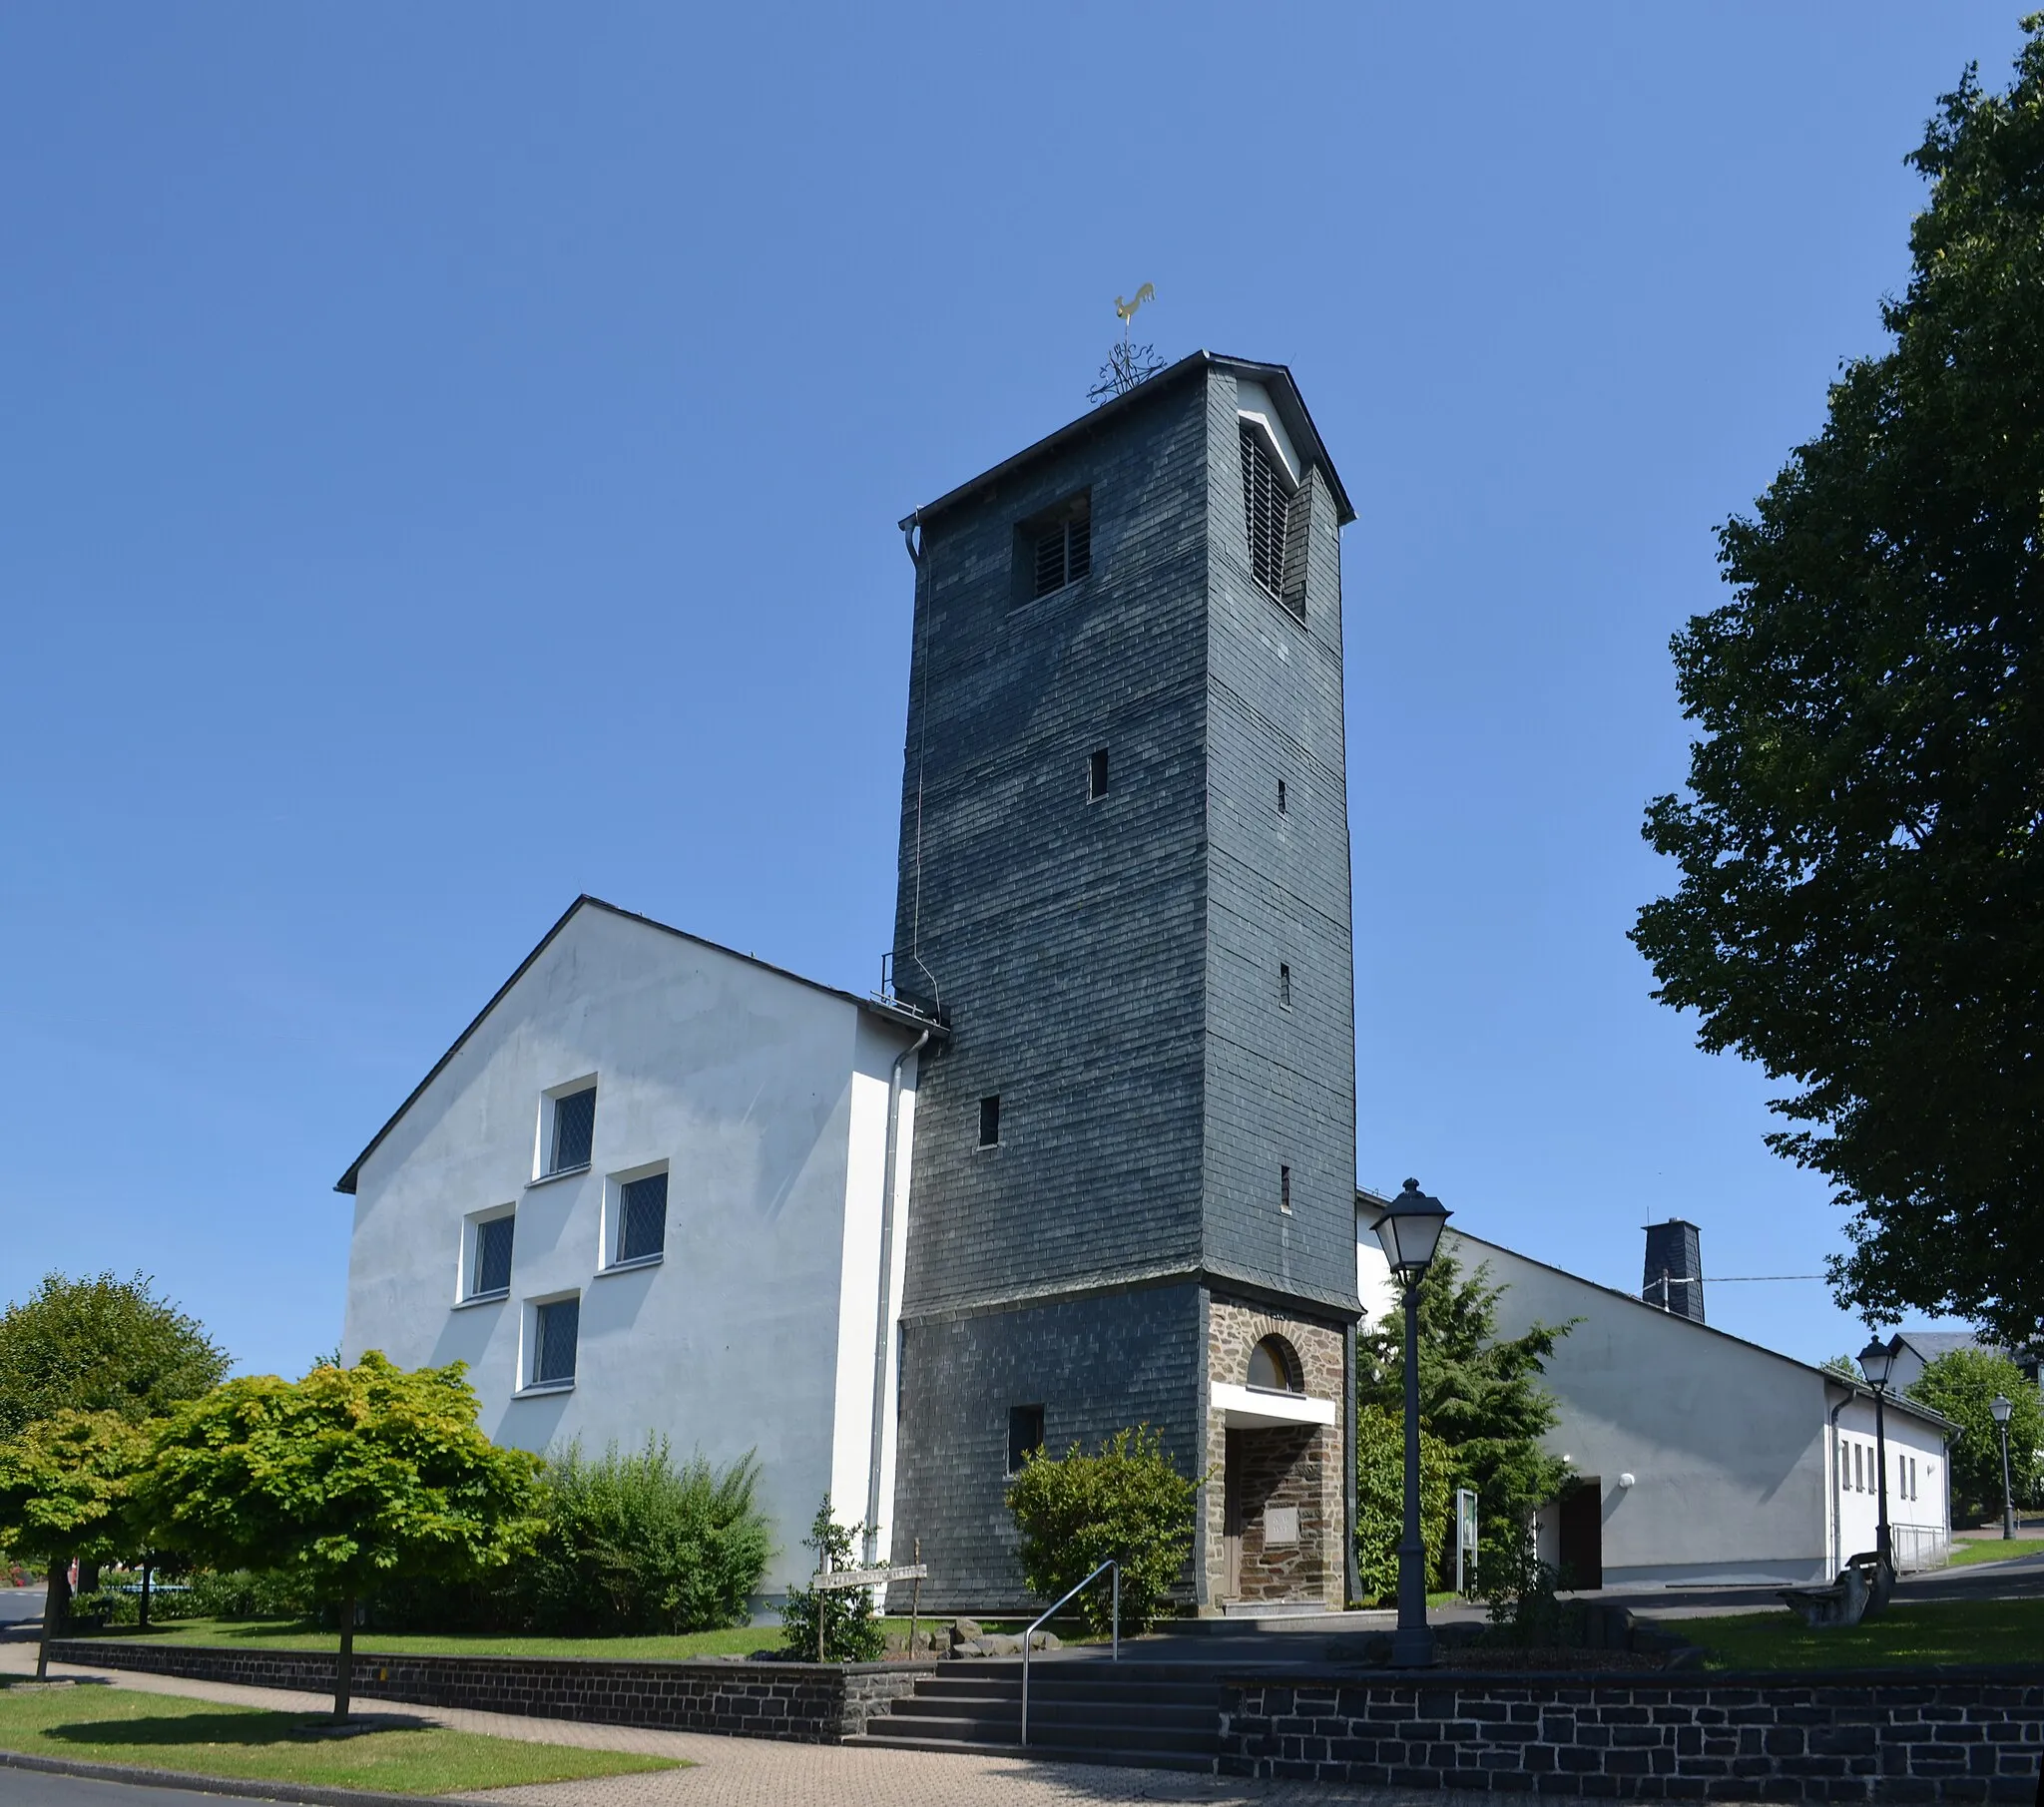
point(1126, 309)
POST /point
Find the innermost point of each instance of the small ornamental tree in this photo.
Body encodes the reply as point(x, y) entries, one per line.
point(1962, 1383)
point(348, 1477)
point(852, 1632)
point(1380, 1501)
point(1128, 1502)
point(66, 1487)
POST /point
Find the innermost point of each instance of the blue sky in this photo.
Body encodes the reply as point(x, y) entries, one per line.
point(451, 459)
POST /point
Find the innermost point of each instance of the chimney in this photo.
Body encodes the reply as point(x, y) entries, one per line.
point(1674, 1279)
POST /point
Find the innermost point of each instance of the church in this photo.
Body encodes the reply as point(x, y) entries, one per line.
point(1088, 1159)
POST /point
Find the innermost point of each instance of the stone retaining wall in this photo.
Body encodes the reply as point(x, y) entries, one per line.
point(1964, 1736)
point(807, 1702)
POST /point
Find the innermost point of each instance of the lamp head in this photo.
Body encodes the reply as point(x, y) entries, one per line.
point(1875, 1362)
point(1410, 1231)
point(2000, 1407)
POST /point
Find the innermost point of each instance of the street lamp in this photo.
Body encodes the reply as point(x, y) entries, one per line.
point(2002, 1408)
point(1410, 1231)
point(1876, 1361)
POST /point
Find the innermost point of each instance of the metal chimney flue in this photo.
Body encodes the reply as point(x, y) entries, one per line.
point(1674, 1279)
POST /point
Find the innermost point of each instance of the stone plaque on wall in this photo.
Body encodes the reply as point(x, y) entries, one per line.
point(1281, 1525)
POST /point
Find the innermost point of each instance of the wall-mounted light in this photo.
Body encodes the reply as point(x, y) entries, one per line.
point(1624, 1481)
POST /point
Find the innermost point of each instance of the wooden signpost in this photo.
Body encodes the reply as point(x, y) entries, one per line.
point(826, 1580)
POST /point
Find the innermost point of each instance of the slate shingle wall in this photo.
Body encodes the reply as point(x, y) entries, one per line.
point(1096, 1365)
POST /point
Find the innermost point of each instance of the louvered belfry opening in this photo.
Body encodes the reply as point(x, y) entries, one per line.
point(1063, 547)
point(1266, 504)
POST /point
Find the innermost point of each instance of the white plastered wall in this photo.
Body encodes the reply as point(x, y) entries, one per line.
point(767, 1098)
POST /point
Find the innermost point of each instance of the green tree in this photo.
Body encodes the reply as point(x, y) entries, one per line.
point(1961, 1383)
point(1479, 1393)
point(100, 1345)
point(67, 1484)
point(852, 1631)
point(1380, 1502)
point(349, 1477)
point(1126, 1501)
point(1862, 847)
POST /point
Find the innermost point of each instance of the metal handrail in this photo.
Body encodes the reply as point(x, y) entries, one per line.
point(1029, 1635)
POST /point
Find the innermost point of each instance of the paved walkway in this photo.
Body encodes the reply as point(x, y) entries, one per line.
point(747, 1772)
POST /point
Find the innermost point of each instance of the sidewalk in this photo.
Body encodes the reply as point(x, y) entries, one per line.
point(746, 1772)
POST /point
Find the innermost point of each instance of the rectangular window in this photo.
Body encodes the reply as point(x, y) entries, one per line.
point(571, 1130)
point(1284, 986)
point(1025, 1435)
point(489, 1268)
point(1859, 1476)
point(556, 1325)
point(990, 1122)
point(1055, 549)
point(1266, 502)
point(1096, 776)
point(642, 1217)
point(1282, 810)
point(1284, 1191)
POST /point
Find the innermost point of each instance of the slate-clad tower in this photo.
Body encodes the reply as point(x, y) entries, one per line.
point(1125, 882)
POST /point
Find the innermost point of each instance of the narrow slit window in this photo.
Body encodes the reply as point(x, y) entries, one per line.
point(1284, 1191)
point(642, 1217)
point(1025, 1435)
point(1096, 775)
point(1284, 986)
point(990, 1122)
point(1282, 809)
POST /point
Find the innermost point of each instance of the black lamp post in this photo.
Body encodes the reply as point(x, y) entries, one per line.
point(1410, 1232)
point(2002, 1408)
point(1876, 1361)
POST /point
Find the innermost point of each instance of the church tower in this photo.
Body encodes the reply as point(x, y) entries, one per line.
point(1125, 884)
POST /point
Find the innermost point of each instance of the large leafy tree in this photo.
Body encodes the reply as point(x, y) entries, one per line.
point(349, 1477)
point(1862, 849)
point(100, 1345)
point(67, 1487)
point(1479, 1393)
point(1962, 1383)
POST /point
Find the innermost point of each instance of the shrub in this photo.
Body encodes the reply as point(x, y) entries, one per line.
point(637, 1544)
point(247, 1594)
point(852, 1630)
point(1380, 1502)
point(1128, 1502)
point(1519, 1590)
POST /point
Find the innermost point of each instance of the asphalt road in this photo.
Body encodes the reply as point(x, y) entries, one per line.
point(20, 1605)
point(2022, 1579)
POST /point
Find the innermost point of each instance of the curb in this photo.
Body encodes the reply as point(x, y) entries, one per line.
point(308, 1794)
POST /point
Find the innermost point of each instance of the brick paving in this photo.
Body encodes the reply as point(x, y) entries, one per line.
point(746, 1772)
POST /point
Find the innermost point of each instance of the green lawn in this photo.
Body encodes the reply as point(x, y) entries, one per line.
point(201, 1737)
point(1994, 1549)
point(1932, 1631)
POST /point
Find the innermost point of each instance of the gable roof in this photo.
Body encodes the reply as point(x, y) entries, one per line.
point(1931, 1344)
point(886, 1008)
point(1366, 1201)
point(1278, 378)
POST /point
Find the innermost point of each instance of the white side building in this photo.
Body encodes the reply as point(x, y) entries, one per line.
point(643, 1194)
point(1700, 1458)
